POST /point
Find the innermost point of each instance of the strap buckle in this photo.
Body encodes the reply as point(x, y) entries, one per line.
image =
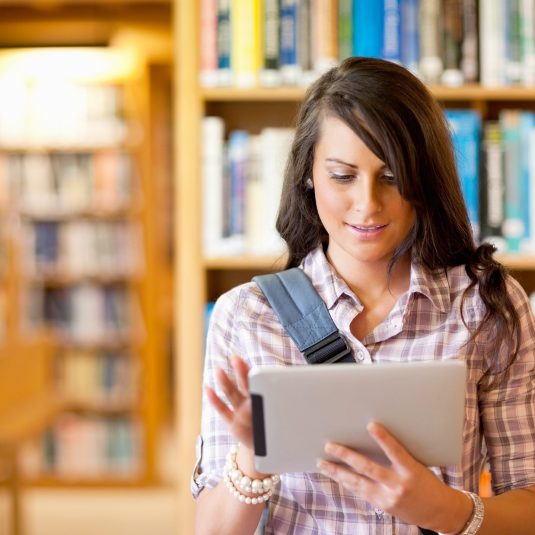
point(329, 350)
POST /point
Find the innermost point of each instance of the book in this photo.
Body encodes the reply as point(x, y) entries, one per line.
point(492, 191)
point(410, 35)
point(392, 31)
point(345, 29)
point(289, 59)
point(208, 75)
point(224, 43)
point(270, 73)
point(246, 39)
point(469, 51)
point(368, 22)
point(513, 51)
point(325, 35)
point(452, 42)
point(527, 41)
point(514, 222)
point(492, 43)
point(466, 132)
point(431, 64)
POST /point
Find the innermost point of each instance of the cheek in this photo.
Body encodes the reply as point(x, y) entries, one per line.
point(329, 202)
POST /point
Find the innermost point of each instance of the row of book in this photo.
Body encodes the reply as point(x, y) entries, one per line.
point(272, 42)
point(67, 183)
point(86, 314)
point(99, 378)
point(83, 248)
point(49, 112)
point(496, 163)
point(242, 182)
point(85, 446)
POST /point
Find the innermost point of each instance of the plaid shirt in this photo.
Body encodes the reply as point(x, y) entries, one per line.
point(424, 324)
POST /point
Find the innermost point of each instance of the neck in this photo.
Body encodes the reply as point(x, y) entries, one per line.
point(372, 283)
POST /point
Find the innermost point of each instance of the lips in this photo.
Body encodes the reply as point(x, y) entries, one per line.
point(367, 228)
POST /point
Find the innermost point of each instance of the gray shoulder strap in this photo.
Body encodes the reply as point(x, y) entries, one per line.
point(304, 315)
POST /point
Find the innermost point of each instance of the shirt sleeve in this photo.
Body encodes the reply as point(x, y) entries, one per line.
point(215, 440)
point(507, 406)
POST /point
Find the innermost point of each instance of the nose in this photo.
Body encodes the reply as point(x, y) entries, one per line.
point(367, 199)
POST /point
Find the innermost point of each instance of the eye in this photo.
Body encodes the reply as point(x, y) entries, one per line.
point(341, 177)
point(389, 179)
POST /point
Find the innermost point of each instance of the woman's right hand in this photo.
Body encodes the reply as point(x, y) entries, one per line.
point(239, 415)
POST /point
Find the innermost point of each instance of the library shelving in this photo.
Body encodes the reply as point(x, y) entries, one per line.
point(92, 264)
point(200, 279)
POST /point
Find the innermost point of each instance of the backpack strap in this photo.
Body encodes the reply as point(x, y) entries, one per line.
point(304, 315)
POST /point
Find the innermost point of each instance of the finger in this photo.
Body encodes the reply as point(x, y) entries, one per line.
point(359, 463)
point(393, 449)
point(356, 483)
point(219, 405)
point(241, 370)
point(230, 390)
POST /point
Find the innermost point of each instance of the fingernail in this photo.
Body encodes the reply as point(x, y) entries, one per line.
point(323, 467)
point(330, 448)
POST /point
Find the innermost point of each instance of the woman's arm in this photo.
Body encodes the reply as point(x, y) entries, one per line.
point(218, 511)
point(410, 491)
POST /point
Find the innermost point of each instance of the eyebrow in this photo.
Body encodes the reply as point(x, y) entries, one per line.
point(336, 160)
point(353, 166)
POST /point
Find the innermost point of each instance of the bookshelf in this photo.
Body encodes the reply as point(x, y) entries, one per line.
point(200, 279)
point(91, 257)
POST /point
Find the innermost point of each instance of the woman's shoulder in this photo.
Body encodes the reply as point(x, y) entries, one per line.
point(242, 300)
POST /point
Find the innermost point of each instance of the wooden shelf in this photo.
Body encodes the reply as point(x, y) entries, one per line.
point(463, 93)
point(58, 280)
point(517, 261)
point(245, 262)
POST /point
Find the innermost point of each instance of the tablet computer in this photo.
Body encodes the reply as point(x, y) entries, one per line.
point(297, 409)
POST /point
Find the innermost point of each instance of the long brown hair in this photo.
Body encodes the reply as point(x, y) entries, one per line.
point(403, 125)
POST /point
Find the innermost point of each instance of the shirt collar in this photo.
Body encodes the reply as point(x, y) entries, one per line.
point(432, 284)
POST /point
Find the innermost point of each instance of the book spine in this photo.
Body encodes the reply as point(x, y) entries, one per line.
point(212, 134)
point(345, 28)
point(492, 193)
point(410, 35)
point(452, 41)
point(224, 42)
point(469, 61)
point(513, 227)
point(368, 22)
point(527, 30)
point(526, 126)
point(492, 43)
point(208, 44)
point(325, 30)
point(270, 75)
point(304, 42)
point(246, 42)
point(466, 133)
point(290, 69)
point(430, 41)
point(238, 165)
point(392, 31)
point(513, 60)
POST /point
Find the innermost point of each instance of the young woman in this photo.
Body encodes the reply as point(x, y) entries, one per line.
point(372, 211)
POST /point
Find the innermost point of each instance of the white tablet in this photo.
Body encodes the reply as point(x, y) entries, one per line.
point(297, 409)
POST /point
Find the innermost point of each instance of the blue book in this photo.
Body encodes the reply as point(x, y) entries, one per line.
point(527, 124)
point(466, 137)
point(288, 60)
point(223, 41)
point(392, 30)
point(238, 154)
point(513, 226)
point(368, 21)
point(410, 34)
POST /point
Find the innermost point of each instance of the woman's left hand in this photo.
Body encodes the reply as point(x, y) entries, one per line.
point(405, 489)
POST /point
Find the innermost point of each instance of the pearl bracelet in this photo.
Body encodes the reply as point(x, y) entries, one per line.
point(236, 482)
point(475, 521)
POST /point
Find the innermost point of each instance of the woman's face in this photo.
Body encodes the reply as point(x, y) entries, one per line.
point(357, 198)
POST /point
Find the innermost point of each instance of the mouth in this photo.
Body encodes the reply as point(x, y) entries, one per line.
point(367, 231)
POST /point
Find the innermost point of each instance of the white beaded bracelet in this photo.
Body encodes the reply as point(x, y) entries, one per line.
point(475, 521)
point(236, 482)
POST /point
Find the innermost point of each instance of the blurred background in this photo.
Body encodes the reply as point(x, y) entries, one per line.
point(142, 148)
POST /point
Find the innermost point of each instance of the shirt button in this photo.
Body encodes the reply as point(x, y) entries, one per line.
point(379, 512)
point(360, 355)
